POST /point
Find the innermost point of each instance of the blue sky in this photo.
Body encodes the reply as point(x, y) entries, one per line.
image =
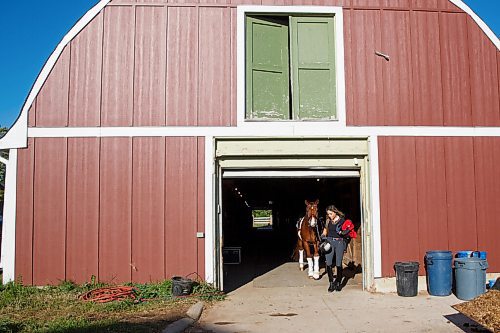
point(30, 30)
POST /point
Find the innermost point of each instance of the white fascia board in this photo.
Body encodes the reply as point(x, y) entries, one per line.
point(240, 56)
point(9, 219)
point(266, 129)
point(16, 137)
point(491, 35)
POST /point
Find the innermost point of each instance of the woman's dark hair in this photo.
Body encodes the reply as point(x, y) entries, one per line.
point(336, 210)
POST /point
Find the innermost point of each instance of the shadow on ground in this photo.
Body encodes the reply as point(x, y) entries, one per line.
point(466, 324)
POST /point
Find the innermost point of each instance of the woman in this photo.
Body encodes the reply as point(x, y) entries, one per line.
point(335, 219)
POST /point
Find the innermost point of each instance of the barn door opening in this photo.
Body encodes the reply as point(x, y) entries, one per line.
point(260, 209)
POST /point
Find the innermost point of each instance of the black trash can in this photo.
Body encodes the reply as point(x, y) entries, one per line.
point(407, 278)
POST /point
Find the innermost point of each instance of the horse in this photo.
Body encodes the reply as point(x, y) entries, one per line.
point(306, 230)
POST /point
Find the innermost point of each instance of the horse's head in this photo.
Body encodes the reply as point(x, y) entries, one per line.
point(312, 212)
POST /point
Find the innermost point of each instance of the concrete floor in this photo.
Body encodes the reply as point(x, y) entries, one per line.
point(284, 299)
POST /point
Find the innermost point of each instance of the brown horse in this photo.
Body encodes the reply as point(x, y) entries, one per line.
point(306, 230)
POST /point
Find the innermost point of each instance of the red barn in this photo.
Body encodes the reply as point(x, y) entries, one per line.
point(157, 127)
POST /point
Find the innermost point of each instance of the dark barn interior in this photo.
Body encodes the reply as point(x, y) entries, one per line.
point(264, 248)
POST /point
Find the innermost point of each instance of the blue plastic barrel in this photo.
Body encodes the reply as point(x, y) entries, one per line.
point(479, 254)
point(439, 272)
point(470, 277)
point(464, 254)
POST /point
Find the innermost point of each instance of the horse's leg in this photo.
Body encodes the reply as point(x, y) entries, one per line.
point(301, 254)
point(309, 259)
point(316, 262)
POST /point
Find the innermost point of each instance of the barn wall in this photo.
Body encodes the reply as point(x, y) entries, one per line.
point(160, 63)
point(115, 208)
point(438, 193)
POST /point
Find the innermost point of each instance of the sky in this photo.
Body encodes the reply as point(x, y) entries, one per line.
point(31, 29)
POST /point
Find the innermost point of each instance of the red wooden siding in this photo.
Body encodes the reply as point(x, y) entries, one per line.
point(437, 194)
point(182, 66)
point(484, 79)
point(24, 214)
point(116, 208)
point(118, 67)
point(460, 193)
point(148, 213)
point(149, 79)
point(431, 195)
point(175, 65)
point(49, 211)
point(201, 205)
point(426, 69)
point(180, 206)
point(85, 75)
point(455, 69)
point(32, 114)
point(215, 75)
point(366, 86)
point(52, 101)
point(396, 41)
point(399, 227)
point(487, 177)
point(234, 68)
point(82, 244)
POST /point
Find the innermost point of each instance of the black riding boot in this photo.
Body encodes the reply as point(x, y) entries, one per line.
point(329, 270)
point(338, 279)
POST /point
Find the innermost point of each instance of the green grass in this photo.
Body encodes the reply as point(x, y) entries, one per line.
point(59, 309)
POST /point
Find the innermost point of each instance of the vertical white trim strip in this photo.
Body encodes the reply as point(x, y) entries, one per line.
point(240, 65)
point(375, 206)
point(9, 219)
point(209, 205)
point(340, 67)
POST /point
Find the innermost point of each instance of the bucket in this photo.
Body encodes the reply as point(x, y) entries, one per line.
point(464, 254)
point(439, 272)
point(479, 254)
point(470, 277)
point(407, 278)
point(181, 286)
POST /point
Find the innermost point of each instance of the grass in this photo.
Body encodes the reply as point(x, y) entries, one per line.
point(59, 309)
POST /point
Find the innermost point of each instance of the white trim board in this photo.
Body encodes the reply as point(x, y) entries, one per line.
point(209, 210)
point(240, 56)
point(9, 219)
point(290, 174)
point(312, 129)
point(374, 191)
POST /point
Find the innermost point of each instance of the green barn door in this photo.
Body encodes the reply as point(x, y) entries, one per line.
point(267, 74)
point(313, 67)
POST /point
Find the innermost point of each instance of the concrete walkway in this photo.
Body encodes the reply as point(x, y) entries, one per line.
point(310, 308)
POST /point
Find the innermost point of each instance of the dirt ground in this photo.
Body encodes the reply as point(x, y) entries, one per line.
point(485, 310)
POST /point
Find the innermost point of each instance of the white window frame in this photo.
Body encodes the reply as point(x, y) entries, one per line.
point(291, 124)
